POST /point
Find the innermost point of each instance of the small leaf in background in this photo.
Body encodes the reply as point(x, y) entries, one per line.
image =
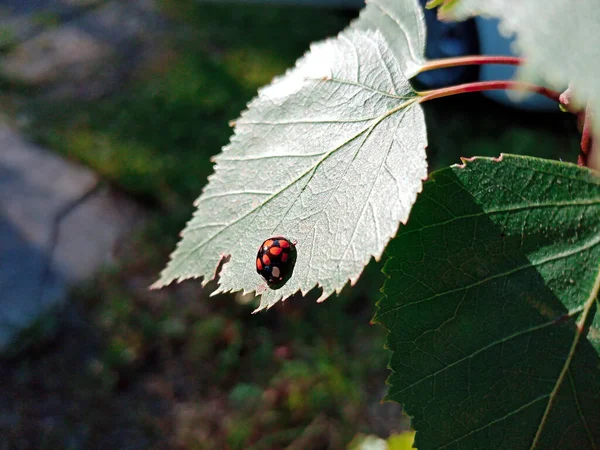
point(556, 37)
point(367, 442)
point(331, 155)
point(402, 441)
point(492, 307)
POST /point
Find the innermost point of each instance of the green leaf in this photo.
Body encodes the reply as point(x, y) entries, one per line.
point(403, 25)
point(331, 155)
point(557, 37)
point(492, 307)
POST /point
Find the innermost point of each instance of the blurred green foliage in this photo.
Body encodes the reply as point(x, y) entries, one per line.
point(271, 374)
point(155, 138)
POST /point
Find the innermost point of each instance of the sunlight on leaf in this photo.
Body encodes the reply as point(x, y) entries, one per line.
point(492, 307)
point(331, 155)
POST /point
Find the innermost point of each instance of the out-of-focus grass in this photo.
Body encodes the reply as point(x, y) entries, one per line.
point(230, 379)
point(155, 138)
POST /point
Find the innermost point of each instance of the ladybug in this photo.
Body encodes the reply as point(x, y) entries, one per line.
point(275, 260)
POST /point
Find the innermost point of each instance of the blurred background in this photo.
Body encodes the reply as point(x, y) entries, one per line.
point(109, 113)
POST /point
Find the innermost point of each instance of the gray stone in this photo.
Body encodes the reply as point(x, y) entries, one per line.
point(15, 29)
point(114, 22)
point(36, 185)
point(44, 7)
point(130, 26)
point(65, 54)
point(57, 227)
point(89, 236)
point(79, 48)
point(29, 288)
point(81, 3)
point(21, 20)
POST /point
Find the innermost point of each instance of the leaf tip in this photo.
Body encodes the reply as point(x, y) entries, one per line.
point(386, 399)
point(431, 4)
point(163, 281)
point(375, 320)
point(156, 285)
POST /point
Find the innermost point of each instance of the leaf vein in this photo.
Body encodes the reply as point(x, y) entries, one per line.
point(509, 209)
point(580, 327)
point(362, 86)
point(588, 245)
point(492, 344)
point(500, 419)
point(580, 412)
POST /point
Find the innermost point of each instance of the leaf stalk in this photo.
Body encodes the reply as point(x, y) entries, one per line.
point(586, 139)
point(473, 60)
point(481, 86)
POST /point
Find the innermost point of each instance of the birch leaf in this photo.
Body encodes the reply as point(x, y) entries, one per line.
point(331, 155)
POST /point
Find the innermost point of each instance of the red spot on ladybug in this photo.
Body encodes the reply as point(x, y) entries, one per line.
point(275, 261)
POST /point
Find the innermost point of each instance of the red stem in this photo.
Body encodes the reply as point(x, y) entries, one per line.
point(586, 139)
point(469, 60)
point(488, 86)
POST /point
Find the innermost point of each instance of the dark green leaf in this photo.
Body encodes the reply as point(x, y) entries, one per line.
point(492, 307)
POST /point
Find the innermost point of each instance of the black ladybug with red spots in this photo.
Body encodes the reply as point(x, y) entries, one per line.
point(275, 261)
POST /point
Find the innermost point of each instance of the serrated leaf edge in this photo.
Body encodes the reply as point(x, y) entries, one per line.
point(241, 120)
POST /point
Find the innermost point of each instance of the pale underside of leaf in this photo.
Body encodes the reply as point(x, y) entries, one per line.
point(331, 155)
point(522, 272)
point(558, 39)
point(403, 25)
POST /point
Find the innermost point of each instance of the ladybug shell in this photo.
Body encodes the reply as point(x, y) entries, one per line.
point(275, 261)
